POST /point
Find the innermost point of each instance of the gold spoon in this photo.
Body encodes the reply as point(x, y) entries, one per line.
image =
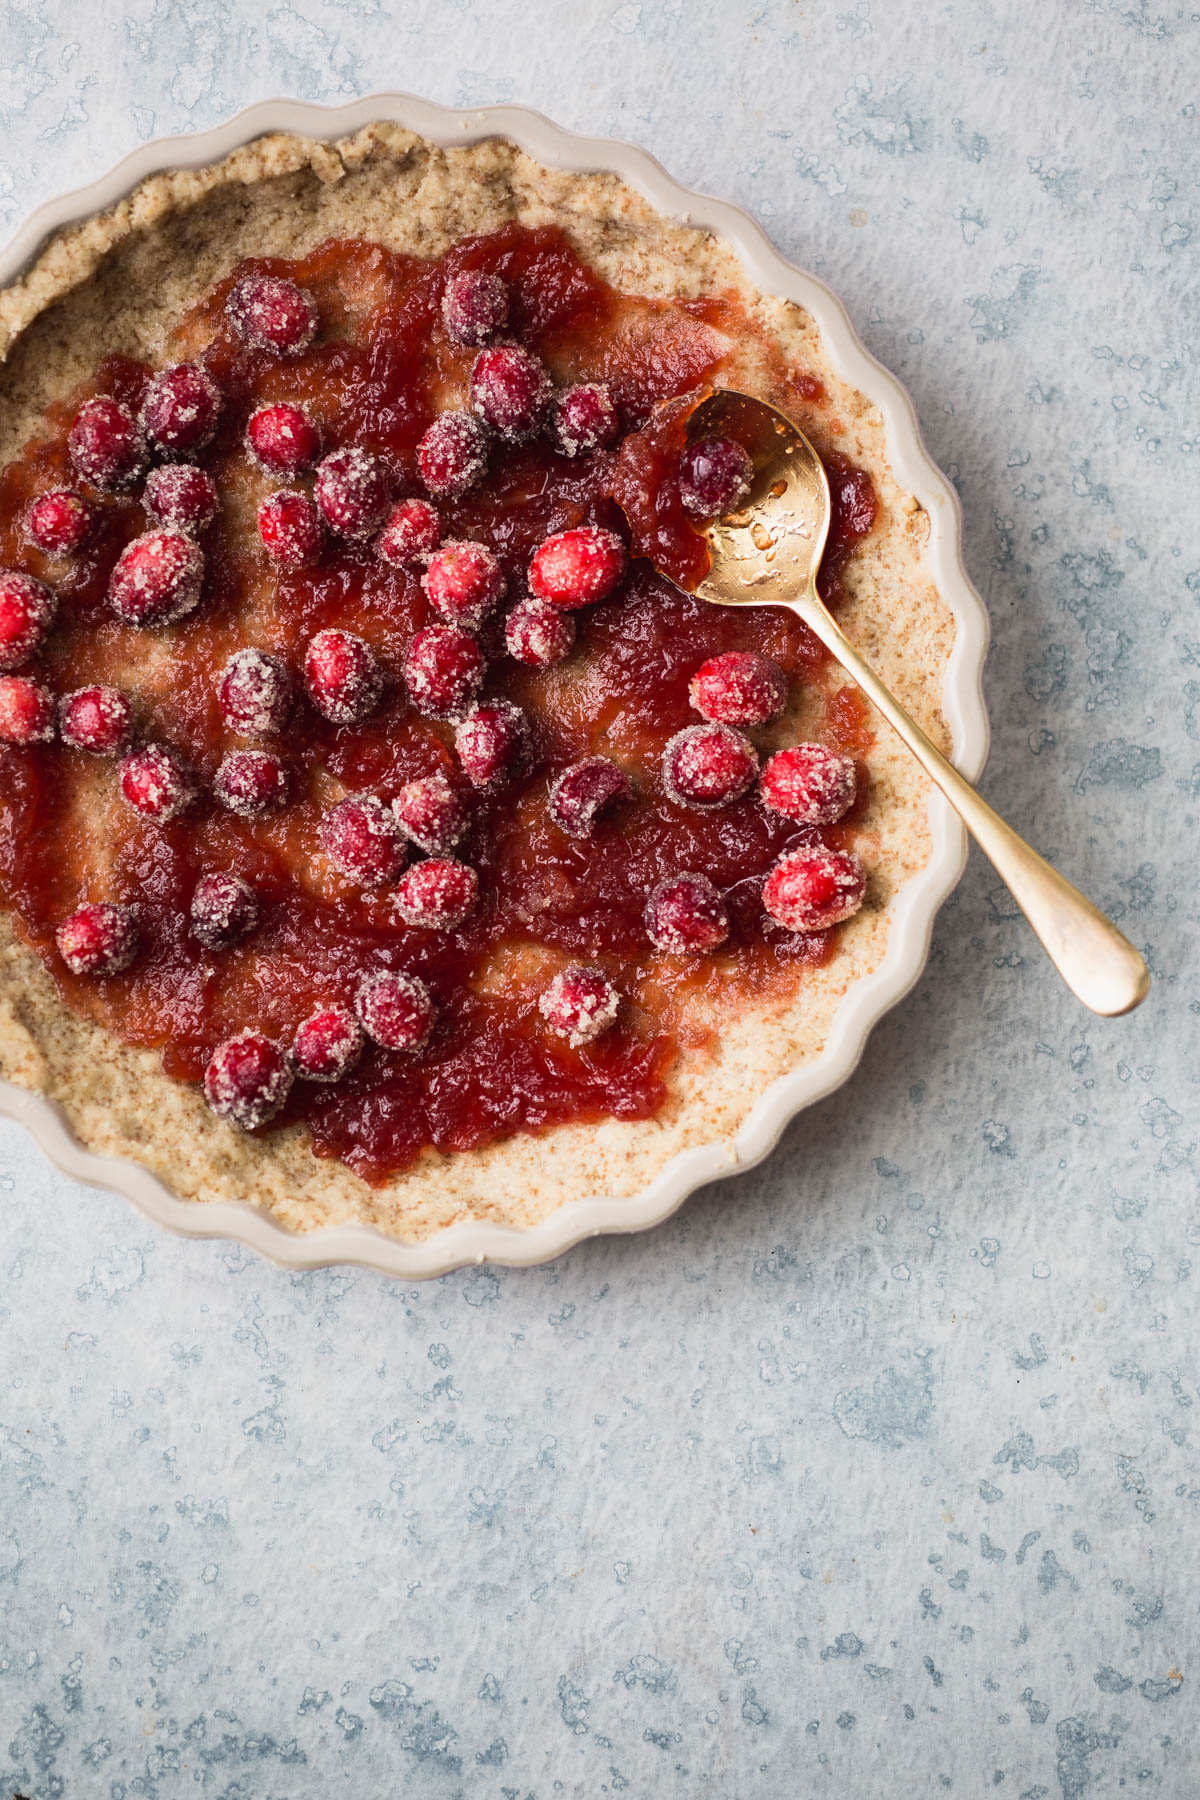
point(767, 553)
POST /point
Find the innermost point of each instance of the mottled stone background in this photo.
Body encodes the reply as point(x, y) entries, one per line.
point(876, 1471)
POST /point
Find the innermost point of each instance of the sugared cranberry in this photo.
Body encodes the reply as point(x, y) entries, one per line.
point(443, 671)
point(707, 766)
point(490, 742)
point(343, 676)
point(182, 495)
point(363, 841)
point(739, 688)
point(413, 530)
point(27, 609)
point(580, 1004)
point(809, 783)
point(156, 579)
point(27, 711)
point(290, 528)
point(327, 1044)
point(584, 792)
point(437, 894)
point(714, 477)
point(539, 634)
point(156, 783)
point(98, 719)
point(98, 939)
point(181, 408)
point(809, 890)
point(474, 306)
point(510, 390)
point(256, 693)
point(283, 439)
point(585, 419)
point(453, 454)
point(431, 813)
point(105, 445)
point(59, 522)
point(247, 1080)
point(251, 783)
point(686, 915)
point(271, 313)
point(575, 567)
point(464, 582)
point(352, 489)
point(396, 1011)
point(224, 909)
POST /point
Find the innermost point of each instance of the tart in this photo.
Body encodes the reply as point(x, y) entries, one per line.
point(383, 837)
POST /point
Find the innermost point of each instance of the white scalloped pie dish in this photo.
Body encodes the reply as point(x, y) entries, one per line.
point(912, 911)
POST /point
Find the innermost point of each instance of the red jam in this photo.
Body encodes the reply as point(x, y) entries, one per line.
point(379, 371)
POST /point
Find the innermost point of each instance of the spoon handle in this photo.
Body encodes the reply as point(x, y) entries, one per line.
point(1097, 962)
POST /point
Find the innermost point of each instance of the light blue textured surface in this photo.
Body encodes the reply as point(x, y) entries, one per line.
point(876, 1471)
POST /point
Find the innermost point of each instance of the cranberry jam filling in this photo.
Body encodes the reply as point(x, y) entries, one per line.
point(324, 378)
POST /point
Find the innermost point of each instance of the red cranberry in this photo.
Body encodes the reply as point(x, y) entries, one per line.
point(739, 688)
point(352, 489)
point(584, 792)
point(539, 634)
point(251, 783)
point(714, 477)
point(105, 445)
point(452, 455)
point(255, 693)
point(585, 419)
point(854, 504)
point(362, 840)
point(580, 1004)
point(290, 528)
point(181, 409)
point(270, 313)
point(474, 306)
point(99, 939)
point(413, 530)
point(59, 522)
point(575, 567)
point(443, 671)
point(396, 1011)
point(327, 1044)
point(155, 782)
point(809, 890)
point(809, 783)
point(156, 579)
point(431, 813)
point(464, 582)
point(343, 676)
point(437, 894)
point(182, 495)
point(27, 610)
point(224, 909)
point(510, 390)
point(283, 439)
point(247, 1080)
point(98, 719)
point(707, 766)
point(686, 915)
point(26, 711)
point(490, 742)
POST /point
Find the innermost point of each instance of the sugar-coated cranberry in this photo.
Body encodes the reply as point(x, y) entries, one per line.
point(353, 489)
point(271, 313)
point(59, 522)
point(474, 306)
point(575, 567)
point(453, 454)
point(251, 783)
point(224, 909)
point(105, 444)
point(464, 582)
point(443, 671)
point(290, 528)
point(156, 783)
point(99, 719)
point(707, 766)
point(363, 841)
point(256, 693)
point(584, 792)
point(27, 609)
point(182, 495)
point(580, 1004)
point(739, 688)
point(510, 390)
point(539, 634)
point(437, 894)
point(343, 676)
point(27, 711)
point(247, 1080)
point(432, 813)
point(686, 915)
point(156, 579)
point(812, 889)
point(327, 1045)
point(98, 939)
point(714, 477)
point(181, 408)
point(585, 419)
point(396, 1011)
point(490, 742)
point(810, 784)
point(283, 439)
point(413, 530)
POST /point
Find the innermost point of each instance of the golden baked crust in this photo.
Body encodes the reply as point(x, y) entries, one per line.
point(117, 281)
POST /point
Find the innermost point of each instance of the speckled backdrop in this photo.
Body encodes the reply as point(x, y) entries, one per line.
point(876, 1471)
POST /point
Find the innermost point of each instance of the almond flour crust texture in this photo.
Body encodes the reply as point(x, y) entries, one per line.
point(115, 283)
